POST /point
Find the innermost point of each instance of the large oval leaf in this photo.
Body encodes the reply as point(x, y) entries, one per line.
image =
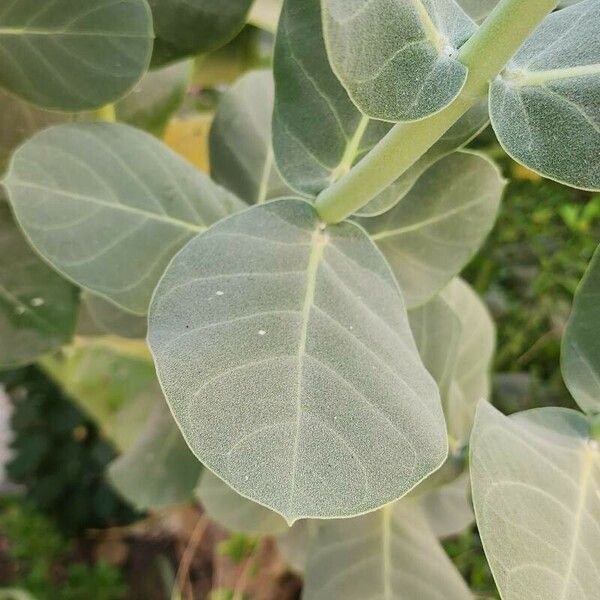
point(580, 352)
point(188, 27)
point(548, 99)
point(72, 56)
point(234, 512)
point(108, 318)
point(398, 60)
point(158, 471)
point(241, 154)
point(535, 481)
point(38, 308)
point(284, 350)
point(108, 206)
point(386, 555)
point(436, 229)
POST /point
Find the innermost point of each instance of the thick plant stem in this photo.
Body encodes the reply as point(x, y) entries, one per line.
point(106, 113)
point(484, 54)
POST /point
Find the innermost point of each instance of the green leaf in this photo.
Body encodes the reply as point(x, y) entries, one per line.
point(398, 60)
point(460, 134)
point(548, 98)
point(108, 206)
point(580, 352)
point(471, 381)
point(159, 470)
point(38, 308)
point(535, 481)
point(107, 318)
point(109, 383)
point(155, 98)
point(73, 56)
point(307, 322)
point(437, 228)
point(234, 512)
point(188, 27)
point(241, 155)
point(391, 553)
point(19, 121)
point(478, 9)
point(317, 131)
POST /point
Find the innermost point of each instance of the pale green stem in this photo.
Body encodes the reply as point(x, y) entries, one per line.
point(106, 113)
point(484, 54)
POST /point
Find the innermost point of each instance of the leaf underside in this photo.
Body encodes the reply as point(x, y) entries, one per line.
point(285, 353)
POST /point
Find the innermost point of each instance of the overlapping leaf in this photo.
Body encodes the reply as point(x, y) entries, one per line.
point(535, 481)
point(234, 512)
point(159, 469)
point(580, 352)
point(73, 56)
point(548, 99)
point(386, 555)
point(108, 206)
point(436, 229)
point(241, 154)
point(307, 322)
point(38, 308)
point(398, 60)
point(188, 27)
point(107, 318)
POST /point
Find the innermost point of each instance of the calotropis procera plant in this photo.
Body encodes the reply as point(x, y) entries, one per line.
point(318, 352)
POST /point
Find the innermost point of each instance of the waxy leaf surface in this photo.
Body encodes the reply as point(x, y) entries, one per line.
point(38, 308)
point(284, 350)
point(234, 512)
point(398, 60)
point(535, 480)
point(189, 27)
point(241, 154)
point(391, 554)
point(108, 206)
point(545, 107)
point(580, 352)
point(436, 229)
point(73, 56)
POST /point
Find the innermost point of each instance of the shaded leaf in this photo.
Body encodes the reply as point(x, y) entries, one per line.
point(38, 308)
point(437, 228)
point(188, 27)
point(294, 544)
point(389, 554)
point(548, 98)
point(159, 470)
point(155, 98)
point(234, 512)
point(188, 137)
point(108, 206)
point(398, 60)
point(241, 155)
point(580, 352)
point(535, 481)
point(73, 56)
point(108, 318)
point(309, 323)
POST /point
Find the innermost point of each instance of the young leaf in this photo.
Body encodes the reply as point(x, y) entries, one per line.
point(241, 155)
point(548, 98)
point(437, 228)
point(73, 56)
point(159, 470)
point(318, 133)
point(234, 512)
point(110, 319)
point(471, 381)
point(38, 308)
point(392, 553)
point(580, 352)
point(308, 323)
point(155, 98)
point(108, 206)
point(188, 27)
point(535, 481)
point(398, 60)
